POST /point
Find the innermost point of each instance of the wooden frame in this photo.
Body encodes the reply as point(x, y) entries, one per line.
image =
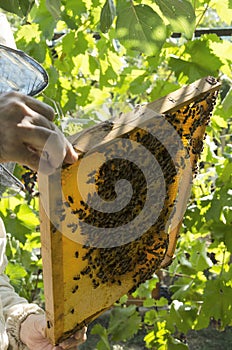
point(72, 297)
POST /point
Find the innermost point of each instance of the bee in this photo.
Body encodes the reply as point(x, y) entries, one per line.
point(76, 278)
point(75, 289)
point(70, 199)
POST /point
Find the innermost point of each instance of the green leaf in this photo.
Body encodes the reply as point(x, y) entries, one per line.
point(181, 289)
point(223, 10)
point(180, 15)
point(150, 317)
point(26, 6)
point(145, 289)
point(161, 89)
point(186, 265)
point(203, 56)
point(149, 302)
point(68, 43)
point(219, 121)
point(15, 272)
point(198, 256)
point(192, 70)
point(217, 303)
point(45, 20)
point(140, 28)
point(20, 222)
point(107, 16)
point(124, 322)
point(74, 7)
point(123, 299)
point(53, 7)
point(37, 50)
point(81, 43)
point(82, 95)
point(103, 344)
point(139, 85)
point(201, 62)
point(71, 101)
point(183, 68)
point(228, 238)
point(227, 103)
point(19, 7)
point(182, 316)
point(93, 64)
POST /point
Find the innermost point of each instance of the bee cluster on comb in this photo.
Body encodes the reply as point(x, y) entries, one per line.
point(110, 220)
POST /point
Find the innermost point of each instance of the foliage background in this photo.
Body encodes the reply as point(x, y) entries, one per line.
point(103, 57)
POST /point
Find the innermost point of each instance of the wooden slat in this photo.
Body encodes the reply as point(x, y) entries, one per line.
point(99, 134)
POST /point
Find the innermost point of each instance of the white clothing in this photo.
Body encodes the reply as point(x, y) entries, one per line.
point(13, 308)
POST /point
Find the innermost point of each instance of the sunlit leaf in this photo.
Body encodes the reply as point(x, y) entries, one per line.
point(149, 302)
point(15, 272)
point(221, 122)
point(29, 32)
point(224, 10)
point(180, 14)
point(140, 28)
point(74, 8)
point(150, 317)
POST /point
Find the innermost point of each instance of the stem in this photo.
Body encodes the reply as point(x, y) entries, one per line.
point(194, 4)
point(176, 274)
point(202, 16)
point(223, 262)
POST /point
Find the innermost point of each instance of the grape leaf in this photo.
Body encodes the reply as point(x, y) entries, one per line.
point(227, 103)
point(180, 15)
point(217, 303)
point(198, 256)
point(124, 323)
point(140, 28)
point(45, 20)
point(53, 7)
point(107, 16)
point(184, 68)
point(16, 272)
point(77, 8)
point(203, 56)
point(19, 7)
point(202, 61)
point(103, 344)
point(182, 315)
